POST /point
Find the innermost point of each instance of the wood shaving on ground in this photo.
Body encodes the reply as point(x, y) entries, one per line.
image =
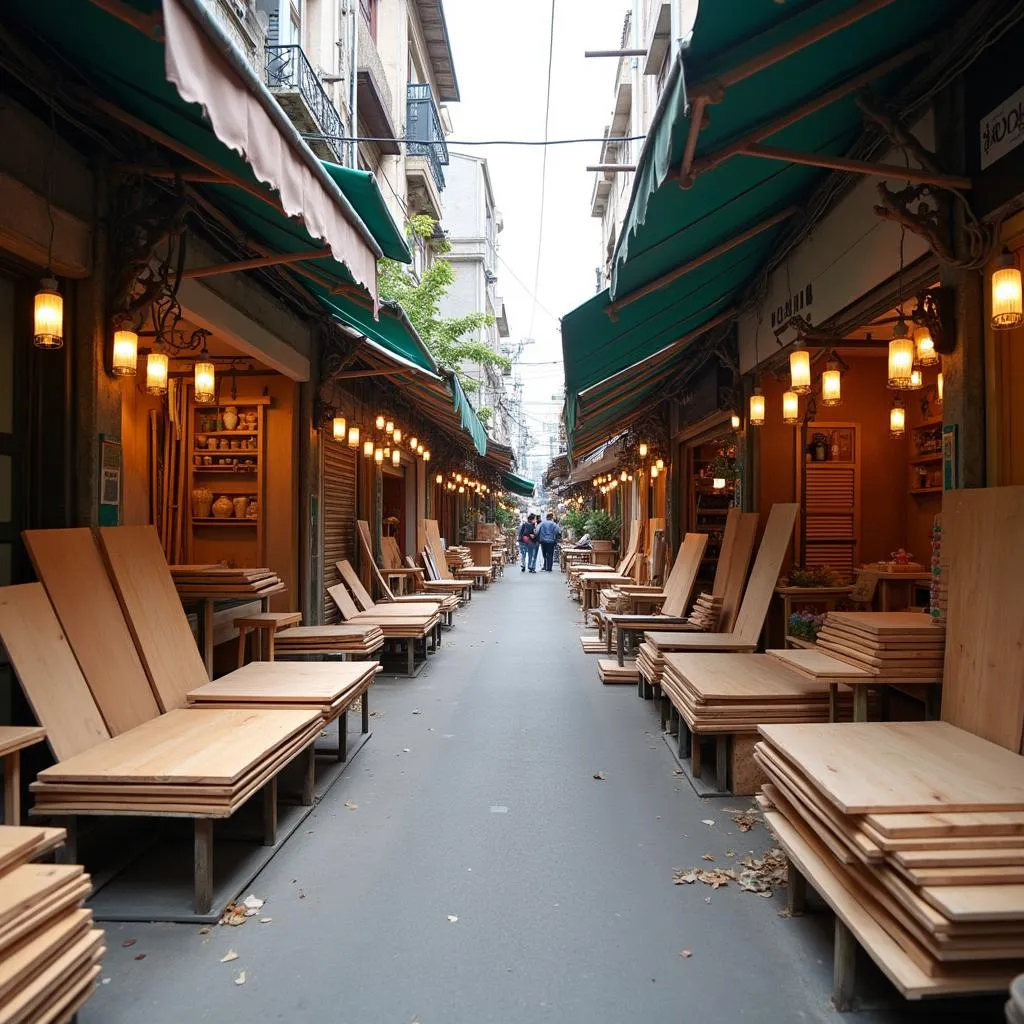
point(351, 806)
point(599, 775)
point(452, 918)
point(229, 956)
point(236, 914)
point(706, 856)
point(685, 954)
point(240, 980)
point(760, 875)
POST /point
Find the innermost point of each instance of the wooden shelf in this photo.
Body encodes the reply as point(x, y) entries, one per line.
point(931, 457)
point(925, 490)
point(226, 521)
point(228, 433)
point(226, 470)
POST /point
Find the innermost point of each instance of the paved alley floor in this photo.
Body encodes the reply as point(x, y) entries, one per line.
point(469, 867)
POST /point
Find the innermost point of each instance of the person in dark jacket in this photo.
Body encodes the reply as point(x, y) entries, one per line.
point(527, 538)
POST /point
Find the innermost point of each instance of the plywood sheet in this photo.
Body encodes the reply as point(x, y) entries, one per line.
point(883, 624)
point(17, 737)
point(185, 746)
point(724, 677)
point(72, 570)
point(48, 672)
point(24, 886)
point(681, 580)
point(818, 665)
point(286, 685)
point(696, 641)
point(778, 534)
point(869, 767)
point(983, 543)
point(734, 563)
point(977, 823)
point(154, 613)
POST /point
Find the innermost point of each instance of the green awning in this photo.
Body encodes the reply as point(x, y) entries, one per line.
point(467, 415)
point(91, 49)
point(668, 227)
point(517, 485)
point(361, 190)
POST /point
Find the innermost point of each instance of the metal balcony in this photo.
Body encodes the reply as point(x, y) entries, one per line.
point(297, 87)
point(423, 131)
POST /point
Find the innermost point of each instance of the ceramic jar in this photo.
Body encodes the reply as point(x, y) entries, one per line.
point(222, 507)
point(212, 443)
point(202, 499)
point(240, 506)
point(230, 418)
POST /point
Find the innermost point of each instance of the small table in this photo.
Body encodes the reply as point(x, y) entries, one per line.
point(825, 599)
point(264, 625)
point(895, 590)
point(13, 739)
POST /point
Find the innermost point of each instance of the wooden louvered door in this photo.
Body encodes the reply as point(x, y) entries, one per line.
point(338, 513)
point(831, 508)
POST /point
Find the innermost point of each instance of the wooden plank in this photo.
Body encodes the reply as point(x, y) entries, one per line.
point(35, 953)
point(726, 677)
point(24, 886)
point(17, 737)
point(43, 910)
point(48, 672)
point(778, 535)
point(193, 746)
point(681, 580)
point(818, 665)
point(977, 902)
point(153, 612)
point(868, 767)
point(702, 642)
point(70, 567)
point(271, 687)
point(981, 823)
point(983, 542)
point(883, 624)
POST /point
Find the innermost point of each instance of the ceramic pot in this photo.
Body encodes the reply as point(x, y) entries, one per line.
point(202, 499)
point(212, 443)
point(230, 418)
point(222, 507)
point(240, 506)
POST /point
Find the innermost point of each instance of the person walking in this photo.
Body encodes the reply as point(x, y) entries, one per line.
point(527, 538)
point(548, 535)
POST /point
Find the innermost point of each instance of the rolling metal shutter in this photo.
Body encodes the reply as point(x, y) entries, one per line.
point(338, 514)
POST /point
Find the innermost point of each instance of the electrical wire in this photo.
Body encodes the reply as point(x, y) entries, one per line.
point(543, 169)
point(317, 137)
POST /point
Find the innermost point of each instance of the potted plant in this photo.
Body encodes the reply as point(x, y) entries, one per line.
point(805, 625)
point(603, 529)
point(813, 576)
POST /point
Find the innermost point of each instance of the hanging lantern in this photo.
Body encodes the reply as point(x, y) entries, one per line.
point(458, 478)
point(604, 490)
point(756, 418)
point(735, 421)
point(126, 353)
point(48, 322)
point(660, 465)
point(897, 419)
point(412, 442)
point(378, 456)
point(397, 435)
point(800, 370)
point(368, 449)
point(389, 427)
point(379, 422)
point(916, 380)
point(643, 449)
point(1007, 303)
point(205, 380)
point(791, 408)
point(718, 483)
point(613, 485)
point(462, 490)
point(938, 387)
point(156, 373)
point(419, 449)
point(623, 476)
point(901, 358)
point(831, 385)
point(439, 479)
point(396, 458)
point(339, 428)
point(426, 455)
point(654, 472)
point(924, 347)
point(387, 451)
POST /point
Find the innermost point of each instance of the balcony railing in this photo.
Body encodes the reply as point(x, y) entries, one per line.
point(288, 68)
point(423, 130)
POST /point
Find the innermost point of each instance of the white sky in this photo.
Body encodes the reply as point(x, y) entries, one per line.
point(500, 52)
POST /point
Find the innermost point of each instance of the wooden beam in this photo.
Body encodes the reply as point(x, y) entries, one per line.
point(615, 53)
point(613, 308)
point(257, 263)
point(150, 25)
point(612, 168)
point(696, 121)
point(690, 169)
point(353, 374)
point(200, 177)
point(839, 163)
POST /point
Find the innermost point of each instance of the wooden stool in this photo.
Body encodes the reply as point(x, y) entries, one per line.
point(13, 739)
point(263, 624)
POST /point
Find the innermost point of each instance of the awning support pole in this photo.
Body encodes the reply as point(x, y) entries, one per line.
point(257, 263)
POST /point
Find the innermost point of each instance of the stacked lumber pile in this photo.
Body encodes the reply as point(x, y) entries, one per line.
point(49, 951)
point(914, 833)
point(218, 581)
point(650, 662)
point(706, 613)
point(353, 639)
point(183, 762)
point(595, 644)
point(735, 693)
point(611, 672)
point(907, 647)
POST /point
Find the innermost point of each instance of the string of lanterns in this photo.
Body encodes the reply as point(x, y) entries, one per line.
point(383, 446)
point(461, 484)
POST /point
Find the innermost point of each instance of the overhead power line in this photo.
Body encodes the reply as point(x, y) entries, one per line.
point(543, 168)
point(317, 137)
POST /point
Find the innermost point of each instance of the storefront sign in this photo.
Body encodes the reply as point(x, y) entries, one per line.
point(1002, 129)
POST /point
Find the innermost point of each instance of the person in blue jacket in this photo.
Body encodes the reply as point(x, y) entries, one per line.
point(548, 535)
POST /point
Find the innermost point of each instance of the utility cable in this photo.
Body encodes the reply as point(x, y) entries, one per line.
point(543, 169)
point(318, 137)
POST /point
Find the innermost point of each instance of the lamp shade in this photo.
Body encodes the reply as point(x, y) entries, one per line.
point(156, 373)
point(397, 435)
point(389, 427)
point(735, 421)
point(897, 419)
point(938, 386)
point(791, 408)
point(439, 479)
point(368, 449)
point(426, 454)
point(205, 379)
point(1007, 300)
point(412, 442)
point(756, 418)
point(353, 436)
point(916, 380)
point(800, 371)
point(659, 465)
point(339, 428)
point(718, 483)
point(901, 358)
point(379, 422)
point(924, 347)
point(126, 353)
point(654, 472)
point(396, 457)
point(48, 318)
point(643, 449)
point(378, 455)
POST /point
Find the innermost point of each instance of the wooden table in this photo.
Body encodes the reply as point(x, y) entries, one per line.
point(264, 625)
point(13, 739)
point(793, 599)
point(893, 584)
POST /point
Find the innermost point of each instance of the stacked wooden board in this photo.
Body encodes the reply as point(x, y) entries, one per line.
point(706, 613)
point(49, 951)
point(610, 671)
point(914, 833)
point(354, 639)
point(896, 646)
point(221, 582)
point(734, 693)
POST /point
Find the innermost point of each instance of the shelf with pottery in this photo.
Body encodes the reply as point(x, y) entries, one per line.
point(225, 493)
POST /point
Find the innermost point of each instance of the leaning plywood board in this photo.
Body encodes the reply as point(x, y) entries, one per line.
point(185, 746)
point(874, 767)
point(983, 542)
point(154, 613)
point(778, 534)
point(48, 672)
point(734, 563)
point(71, 569)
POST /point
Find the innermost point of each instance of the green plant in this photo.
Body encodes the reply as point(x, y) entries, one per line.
point(505, 517)
point(819, 576)
point(575, 519)
point(602, 526)
point(446, 338)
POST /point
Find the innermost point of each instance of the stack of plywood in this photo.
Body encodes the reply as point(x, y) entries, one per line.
point(49, 951)
point(706, 613)
point(194, 762)
point(610, 671)
point(907, 647)
point(218, 581)
point(734, 693)
point(354, 639)
point(914, 833)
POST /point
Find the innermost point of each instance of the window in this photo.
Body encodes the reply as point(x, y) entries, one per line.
point(369, 9)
